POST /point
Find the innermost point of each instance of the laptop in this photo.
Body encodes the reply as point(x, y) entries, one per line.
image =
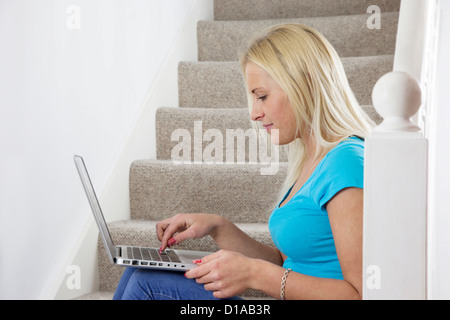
point(134, 256)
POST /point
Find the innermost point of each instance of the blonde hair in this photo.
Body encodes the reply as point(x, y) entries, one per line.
point(309, 70)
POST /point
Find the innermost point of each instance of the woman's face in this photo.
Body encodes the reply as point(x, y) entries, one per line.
point(270, 105)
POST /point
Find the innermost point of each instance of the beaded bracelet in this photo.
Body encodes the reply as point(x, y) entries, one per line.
point(283, 282)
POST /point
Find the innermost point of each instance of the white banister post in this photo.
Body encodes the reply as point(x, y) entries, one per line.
point(395, 186)
point(411, 43)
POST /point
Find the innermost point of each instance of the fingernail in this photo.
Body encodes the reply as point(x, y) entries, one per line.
point(171, 242)
point(185, 275)
point(197, 261)
point(160, 250)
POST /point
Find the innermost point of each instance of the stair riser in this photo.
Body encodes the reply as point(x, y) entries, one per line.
point(198, 131)
point(221, 85)
point(211, 85)
point(350, 35)
point(239, 192)
point(284, 9)
point(215, 135)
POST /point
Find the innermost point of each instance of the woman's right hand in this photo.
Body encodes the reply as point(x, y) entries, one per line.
point(185, 226)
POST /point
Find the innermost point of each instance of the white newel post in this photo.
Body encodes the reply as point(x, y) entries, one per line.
point(395, 187)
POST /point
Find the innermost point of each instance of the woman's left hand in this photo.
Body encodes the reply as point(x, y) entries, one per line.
point(227, 273)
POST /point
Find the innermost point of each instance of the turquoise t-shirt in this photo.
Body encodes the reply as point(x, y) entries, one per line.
point(301, 229)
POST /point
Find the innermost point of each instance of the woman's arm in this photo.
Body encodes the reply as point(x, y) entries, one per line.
point(227, 235)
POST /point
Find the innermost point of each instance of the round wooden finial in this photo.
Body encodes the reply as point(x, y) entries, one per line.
point(397, 97)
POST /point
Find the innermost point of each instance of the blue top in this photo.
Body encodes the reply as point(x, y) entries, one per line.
point(301, 229)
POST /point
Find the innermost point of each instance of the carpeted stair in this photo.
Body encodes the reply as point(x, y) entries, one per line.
point(211, 90)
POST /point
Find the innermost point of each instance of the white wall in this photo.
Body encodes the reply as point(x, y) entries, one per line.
point(115, 196)
point(67, 90)
point(439, 161)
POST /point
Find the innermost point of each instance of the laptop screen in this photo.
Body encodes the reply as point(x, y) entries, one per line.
point(95, 206)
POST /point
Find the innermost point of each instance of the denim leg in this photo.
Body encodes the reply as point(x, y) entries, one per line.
point(145, 284)
point(123, 283)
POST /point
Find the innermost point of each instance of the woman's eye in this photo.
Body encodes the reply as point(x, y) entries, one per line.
point(262, 98)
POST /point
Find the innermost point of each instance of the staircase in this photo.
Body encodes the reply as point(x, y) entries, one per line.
point(211, 90)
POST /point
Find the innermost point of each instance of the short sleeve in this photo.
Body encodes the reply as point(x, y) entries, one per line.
point(342, 167)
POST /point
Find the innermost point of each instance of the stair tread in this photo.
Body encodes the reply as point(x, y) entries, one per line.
point(265, 9)
point(108, 295)
point(213, 118)
point(142, 232)
point(350, 36)
point(97, 295)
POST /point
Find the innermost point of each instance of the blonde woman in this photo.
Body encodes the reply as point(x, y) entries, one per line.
point(300, 95)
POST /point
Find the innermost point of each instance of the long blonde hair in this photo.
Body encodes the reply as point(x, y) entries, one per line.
point(309, 70)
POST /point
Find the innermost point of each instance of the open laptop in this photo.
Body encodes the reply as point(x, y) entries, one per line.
point(133, 256)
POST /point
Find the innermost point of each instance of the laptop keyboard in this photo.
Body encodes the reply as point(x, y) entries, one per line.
point(152, 254)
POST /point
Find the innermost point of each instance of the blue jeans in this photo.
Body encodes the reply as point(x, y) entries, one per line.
point(146, 284)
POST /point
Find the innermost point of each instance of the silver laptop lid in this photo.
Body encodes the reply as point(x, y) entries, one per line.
point(95, 206)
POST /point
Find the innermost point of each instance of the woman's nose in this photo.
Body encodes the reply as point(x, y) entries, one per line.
point(256, 113)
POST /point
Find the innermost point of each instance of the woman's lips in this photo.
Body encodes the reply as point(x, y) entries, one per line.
point(268, 126)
